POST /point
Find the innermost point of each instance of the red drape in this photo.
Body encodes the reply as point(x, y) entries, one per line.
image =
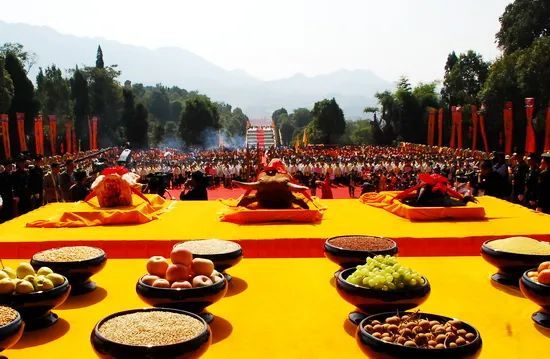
point(93, 133)
point(547, 132)
point(52, 119)
point(4, 127)
point(475, 126)
point(508, 127)
point(39, 135)
point(68, 136)
point(21, 131)
point(440, 128)
point(459, 126)
point(431, 126)
point(453, 127)
point(75, 144)
point(530, 140)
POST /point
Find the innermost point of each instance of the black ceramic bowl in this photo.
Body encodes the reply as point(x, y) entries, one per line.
point(11, 333)
point(78, 272)
point(222, 261)
point(510, 265)
point(189, 349)
point(377, 301)
point(347, 258)
point(376, 348)
point(538, 293)
point(35, 308)
point(194, 300)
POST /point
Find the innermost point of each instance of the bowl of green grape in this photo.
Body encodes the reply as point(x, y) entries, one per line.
point(381, 285)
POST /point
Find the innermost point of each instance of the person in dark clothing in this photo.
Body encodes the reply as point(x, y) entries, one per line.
point(6, 191)
point(491, 183)
point(196, 186)
point(531, 182)
point(20, 183)
point(79, 190)
point(519, 174)
point(66, 180)
point(543, 189)
point(36, 183)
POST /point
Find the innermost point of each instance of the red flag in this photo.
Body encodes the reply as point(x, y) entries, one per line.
point(547, 131)
point(508, 127)
point(38, 135)
point(475, 126)
point(453, 127)
point(4, 127)
point(21, 131)
point(52, 119)
point(440, 128)
point(530, 141)
point(459, 126)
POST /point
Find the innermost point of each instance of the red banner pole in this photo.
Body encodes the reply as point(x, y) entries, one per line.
point(459, 125)
point(440, 128)
point(475, 125)
point(4, 126)
point(508, 127)
point(53, 133)
point(21, 131)
point(68, 136)
point(453, 127)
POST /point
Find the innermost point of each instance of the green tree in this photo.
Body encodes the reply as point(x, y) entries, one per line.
point(129, 116)
point(287, 130)
point(99, 58)
point(81, 104)
point(328, 120)
point(199, 118)
point(23, 99)
point(6, 88)
point(139, 133)
point(522, 22)
point(28, 59)
point(464, 80)
point(159, 105)
point(300, 117)
point(53, 92)
point(277, 114)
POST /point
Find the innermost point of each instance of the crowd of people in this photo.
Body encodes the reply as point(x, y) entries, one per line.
point(524, 179)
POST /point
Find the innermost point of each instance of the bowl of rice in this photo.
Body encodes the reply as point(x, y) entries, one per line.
point(513, 256)
point(151, 333)
point(224, 254)
point(77, 263)
point(351, 250)
point(11, 327)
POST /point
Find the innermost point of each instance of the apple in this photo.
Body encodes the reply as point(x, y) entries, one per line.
point(4, 275)
point(178, 272)
point(203, 266)
point(24, 287)
point(157, 265)
point(161, 283)
point(149, 279)
point(201, 281)
point(181, 256)
point(183, 285)
point(216, 278)
point(57, 279)
point(24, 269)
point(7, 286)
point(42, 283)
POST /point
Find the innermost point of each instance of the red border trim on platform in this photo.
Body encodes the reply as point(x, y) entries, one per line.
point(260, 248)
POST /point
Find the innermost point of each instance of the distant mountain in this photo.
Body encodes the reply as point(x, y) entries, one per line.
point(353, 89)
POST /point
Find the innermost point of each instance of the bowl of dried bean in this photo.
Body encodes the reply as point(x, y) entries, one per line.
point(77, 263)
point(151, 333)
point(352, 250)
point(417, 335)
point(11, 327)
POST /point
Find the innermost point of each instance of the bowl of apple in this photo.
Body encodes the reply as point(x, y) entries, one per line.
point(381, 285)
point(11, 327)
point(535, 285)
point(224, 254)
point(33, 294)
point(190, 284)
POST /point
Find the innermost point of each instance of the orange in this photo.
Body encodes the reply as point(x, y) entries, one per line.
point(544, 276)
point(543, 266)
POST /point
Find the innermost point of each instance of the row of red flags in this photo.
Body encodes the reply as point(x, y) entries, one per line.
point(478, 127)
point(70, 145)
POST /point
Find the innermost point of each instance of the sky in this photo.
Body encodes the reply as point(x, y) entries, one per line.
point(272, 39)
